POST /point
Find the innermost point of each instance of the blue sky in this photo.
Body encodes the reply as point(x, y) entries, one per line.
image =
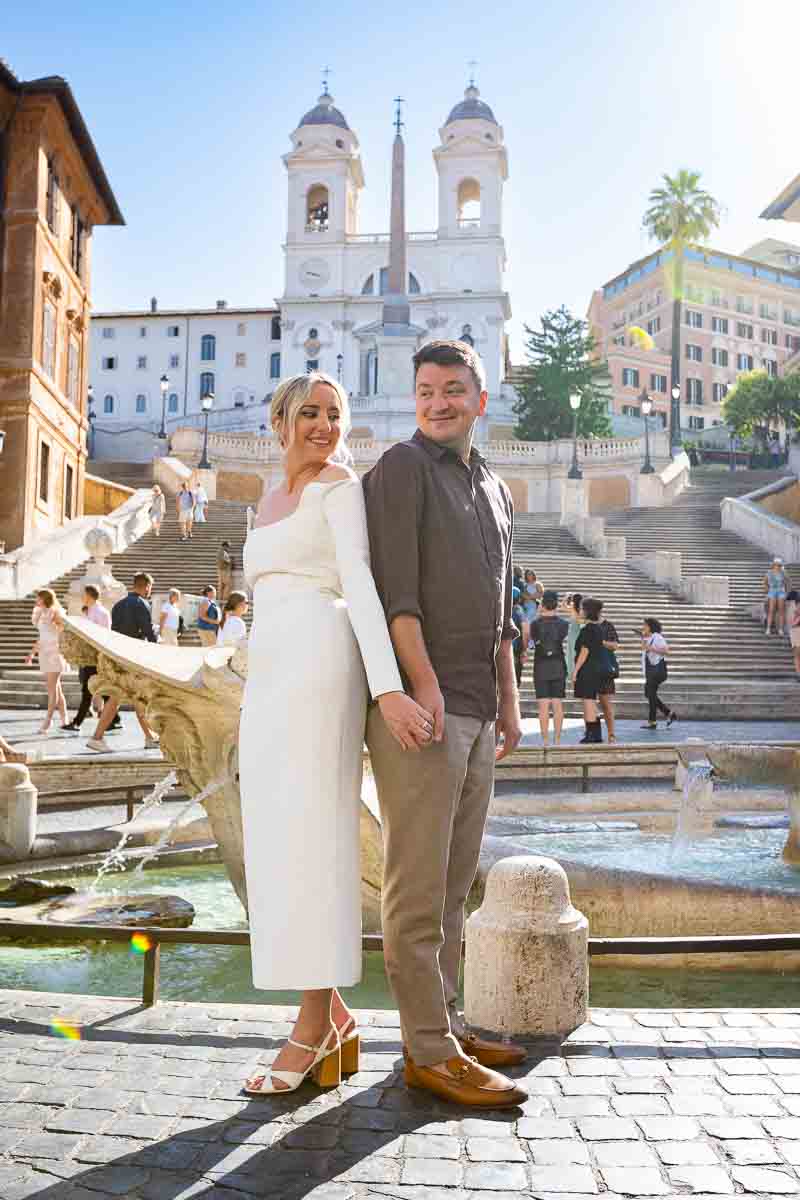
point(190, 107)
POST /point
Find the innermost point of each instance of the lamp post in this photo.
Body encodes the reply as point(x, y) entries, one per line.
point(731, 450)
point(575, 472)
point(339, 362)
point(206, 404)
point(2, 440)
point(647, 408)
point(90, 415)
point(163, 383)
point(675, 421)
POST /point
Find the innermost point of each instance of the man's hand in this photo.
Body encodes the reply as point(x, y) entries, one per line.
point(508, 729)
point(429, 697)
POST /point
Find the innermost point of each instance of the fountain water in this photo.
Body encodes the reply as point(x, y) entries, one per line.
point(115, 859)
point(695, 816)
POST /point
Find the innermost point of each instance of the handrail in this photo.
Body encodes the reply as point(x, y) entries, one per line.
point(160, 935)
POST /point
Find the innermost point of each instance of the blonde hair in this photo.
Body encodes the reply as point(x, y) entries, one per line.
point(49, 599)
point(292, 394)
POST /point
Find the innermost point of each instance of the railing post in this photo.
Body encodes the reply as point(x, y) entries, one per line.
point(151, 983)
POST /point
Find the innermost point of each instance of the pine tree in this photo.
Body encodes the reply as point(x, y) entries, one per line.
point(561, 361)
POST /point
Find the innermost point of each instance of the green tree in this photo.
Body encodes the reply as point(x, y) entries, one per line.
point(747, 406)
point(562, 361)
point(784, 402)
point(679, 213)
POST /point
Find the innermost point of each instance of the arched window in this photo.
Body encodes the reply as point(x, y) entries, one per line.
point(413, 283)
point(208, 347)
point(108, 404)
point(317, 209)
point(466, 335)
point(275, 329)
point(206, 383)
point(469, 203)
point(141, 403)
point(172, 403)
point(239, 399)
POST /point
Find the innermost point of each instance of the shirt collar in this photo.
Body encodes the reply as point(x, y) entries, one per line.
point(439, 452)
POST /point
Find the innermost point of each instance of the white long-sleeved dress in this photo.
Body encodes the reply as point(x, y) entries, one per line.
point(318, 641)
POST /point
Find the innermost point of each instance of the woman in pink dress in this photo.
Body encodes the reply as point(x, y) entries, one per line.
point(48, 617)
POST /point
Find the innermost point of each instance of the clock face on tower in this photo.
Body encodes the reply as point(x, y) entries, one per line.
point(314, 273)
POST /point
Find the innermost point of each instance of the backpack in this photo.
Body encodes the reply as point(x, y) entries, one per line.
point(548, 636)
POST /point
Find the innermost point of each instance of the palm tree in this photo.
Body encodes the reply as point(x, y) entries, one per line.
point(678, 214)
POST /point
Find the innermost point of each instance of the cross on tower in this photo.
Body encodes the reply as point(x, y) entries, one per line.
point(472, 64)
point(398, 120)
point(325, 73)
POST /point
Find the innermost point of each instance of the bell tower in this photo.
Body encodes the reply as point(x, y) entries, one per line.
point(472, 166)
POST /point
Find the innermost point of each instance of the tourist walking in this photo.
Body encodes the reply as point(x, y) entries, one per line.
point(548, 633)
point(48, 618)
point(184, 503)
point(319, 642)
point(775, 588)
point(793, 625)
point(608, 688)
point(574, 616)
point(440, 525)
point(208, 616)
point(170, 618)
point(591, 668)
point(200, 505)
point(654, 661)
point(130, 616)
point(232, 629)
point(224, 572)
point(99, 615)
point(157, 510)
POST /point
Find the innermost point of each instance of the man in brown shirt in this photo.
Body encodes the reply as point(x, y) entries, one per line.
point(440, 525)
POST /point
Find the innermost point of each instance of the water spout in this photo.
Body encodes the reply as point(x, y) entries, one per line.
point(115, 859)
point(695, 816)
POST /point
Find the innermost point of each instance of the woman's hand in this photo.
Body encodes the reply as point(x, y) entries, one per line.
point(409, 723)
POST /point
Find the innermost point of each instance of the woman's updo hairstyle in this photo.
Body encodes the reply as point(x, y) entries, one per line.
point(293, 394)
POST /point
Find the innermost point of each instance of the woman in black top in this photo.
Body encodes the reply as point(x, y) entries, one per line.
point(591, 668)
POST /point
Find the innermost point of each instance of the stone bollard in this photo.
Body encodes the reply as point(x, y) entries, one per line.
point(527, 964)
point(100, 545)
point(17, 811)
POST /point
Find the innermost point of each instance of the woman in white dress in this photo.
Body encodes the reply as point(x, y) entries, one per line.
point(48, 617)
point(232, 629)
point(318, 643)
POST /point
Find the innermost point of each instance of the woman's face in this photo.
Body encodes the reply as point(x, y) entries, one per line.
point(39, 602)
point(530, 577)
point(241, 609)
point(646, 630)
point(318, 427)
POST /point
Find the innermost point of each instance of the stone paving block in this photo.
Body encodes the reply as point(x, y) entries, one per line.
point(426, 1145)
point(766, 1180)
point(301, 1137)
point(129, 1125)
point(749, 1085)
point(104, 1149)
point(790, 1151)
point(607, 1129)
point(746, 1154)
point(556, 1180)
point(431, 1172)
point(374, 1170)
point(550, 1153)
point(487, 1127)
point(46, 1145)
point(687, 1154)
point(655, 1020)
point(582, 1106)
point(483, 1149)
point(755, 1106)
point(640, 1106)
point(644, 1067)
point(585, 1085)
point(740, 1018)
point(624, 1154)
point(693, 1066)
point(78, 1120)
point(732, 1127)
point(9, 1138)
point(170, 1155)
point(26, 1116)
point(116, 1181)
point(643, 1085)
point(783, 1127)
point(542, 1127)
point(784, 1065)
point(504, 1177)
point(789, 1084)
point(361, 1142)
point(597, 1067)
point(668, 1129)
point(709, 1180)
point(684, 1104)
point(735, 1064)
point(635, 1181)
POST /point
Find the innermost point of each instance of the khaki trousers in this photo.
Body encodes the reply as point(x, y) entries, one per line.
point(433, 811)
point(207, 637)
point(169, 637)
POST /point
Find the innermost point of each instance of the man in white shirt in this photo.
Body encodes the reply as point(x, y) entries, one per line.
point(170, 619)
point(98, 614)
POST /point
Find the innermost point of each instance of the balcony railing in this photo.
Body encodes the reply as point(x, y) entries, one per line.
point(422, 235)
point(469, 222)
point(317, 227)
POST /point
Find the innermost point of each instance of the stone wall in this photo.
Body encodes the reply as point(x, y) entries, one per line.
point(785, 503)
point(243, 486)
point(609, 492)
point(101, 496)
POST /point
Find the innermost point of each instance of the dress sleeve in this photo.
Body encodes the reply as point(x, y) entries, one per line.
point(346, 516)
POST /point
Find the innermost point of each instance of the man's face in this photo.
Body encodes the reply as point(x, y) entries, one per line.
point(448, 403)
point(145, 589)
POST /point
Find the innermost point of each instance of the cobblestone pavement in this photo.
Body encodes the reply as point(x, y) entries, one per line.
point(147, 1105)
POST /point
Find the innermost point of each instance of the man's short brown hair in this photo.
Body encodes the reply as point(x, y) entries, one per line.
point(92, 591)
point(452, 354)
point(141, 577)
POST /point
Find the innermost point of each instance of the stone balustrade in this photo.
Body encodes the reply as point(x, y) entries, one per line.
point(747, 517)
point(666, 568)
point(591, 533)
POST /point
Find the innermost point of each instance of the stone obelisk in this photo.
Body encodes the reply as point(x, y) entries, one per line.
point(396, 309)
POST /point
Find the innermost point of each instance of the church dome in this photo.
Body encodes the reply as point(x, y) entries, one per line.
point(325, 113)
point(471, 108)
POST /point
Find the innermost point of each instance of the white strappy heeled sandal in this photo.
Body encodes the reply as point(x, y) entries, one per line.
point(326, 1070)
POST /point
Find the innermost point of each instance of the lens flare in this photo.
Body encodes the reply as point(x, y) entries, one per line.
point(141, 943)
point(640, 337)
point(64, 1029)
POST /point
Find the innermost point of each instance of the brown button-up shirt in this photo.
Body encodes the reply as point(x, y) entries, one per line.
point(440, 542)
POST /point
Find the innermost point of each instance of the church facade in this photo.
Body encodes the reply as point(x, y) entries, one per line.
point(336, 276)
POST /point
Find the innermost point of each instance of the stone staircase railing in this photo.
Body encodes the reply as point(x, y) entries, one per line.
point(665, 567)
point(35, 564)
point(591, 533)
point(746, 517)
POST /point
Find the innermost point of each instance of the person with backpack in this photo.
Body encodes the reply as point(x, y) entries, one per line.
point(548, 634)
point(209, 616)
point(654, 652)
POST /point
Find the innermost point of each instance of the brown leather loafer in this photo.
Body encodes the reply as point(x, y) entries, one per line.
point(492, 1054)
point(467, 1083)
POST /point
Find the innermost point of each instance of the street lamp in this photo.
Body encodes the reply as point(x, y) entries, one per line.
point(675, 419)
point(732, 449)
point(647, 408)
point(163, 383)
point(575, 472)
point(339, 362)
point(206, 404)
